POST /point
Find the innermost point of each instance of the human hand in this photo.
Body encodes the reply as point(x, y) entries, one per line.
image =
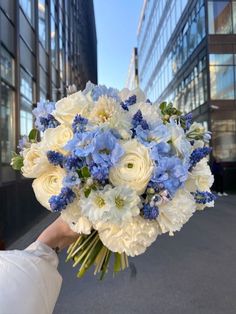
point(58, 235)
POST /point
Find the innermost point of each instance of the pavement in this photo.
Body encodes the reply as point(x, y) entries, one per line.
point(193, 272)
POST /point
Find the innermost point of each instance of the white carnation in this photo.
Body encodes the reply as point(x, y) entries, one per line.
point(73, 217)
point(67, 108)
point(131, 238)
point(200, 178)
point(134, 168)
point(107, 113)
point(174, 214)
point(48, 184)
point(35, 161)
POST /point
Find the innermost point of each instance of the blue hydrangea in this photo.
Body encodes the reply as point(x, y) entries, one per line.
point(197, 155)
point(71, 179)
point(204, 197)
point(160, 150)
point(170, 174)
point(128, 102)
point(79, 124)
point(55, 158)
point(59, 202)
point(101, 90)
point(149, 137)
point(43, 116)
point(150, 212)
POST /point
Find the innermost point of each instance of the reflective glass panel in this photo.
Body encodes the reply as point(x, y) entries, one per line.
point(26, 85)
point(27, 6)
point(7, 66)
point(221, 59)
point(220, 17)
point(42, 22)
point(222, 81)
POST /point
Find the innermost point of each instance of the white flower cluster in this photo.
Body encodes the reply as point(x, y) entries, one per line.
point(117, 156)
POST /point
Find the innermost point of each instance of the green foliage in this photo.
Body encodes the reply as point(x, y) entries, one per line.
point(17, 162)
point(33, 135)
point(168, 111)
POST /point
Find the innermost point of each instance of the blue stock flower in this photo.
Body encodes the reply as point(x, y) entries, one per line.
point(43, 116)
point(170, 173)
point(71, 179)
point(59, 202)
point(106, 149)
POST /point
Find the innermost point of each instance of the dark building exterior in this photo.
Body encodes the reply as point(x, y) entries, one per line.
point(187, 55)
point(45, 45)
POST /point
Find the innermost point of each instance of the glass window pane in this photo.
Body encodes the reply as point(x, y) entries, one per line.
point(220, 17)
point(222, 82)
point(26, 85)
point(221, 59)
point(42, 22)
point(7, 66)
point(7, 123)
point(234, 16)
point(27, 6)
point(26, 121)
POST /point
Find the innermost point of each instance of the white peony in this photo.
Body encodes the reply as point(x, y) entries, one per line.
point(48, 184)
point(108, 113)
point(149, 112)
point(67, 108)
point(35, 161)
point(174, 214)
point(134, 169)
point(56, 138)
point(73, 217)
point(125, 93)
point(200, 178)
point(131, 238)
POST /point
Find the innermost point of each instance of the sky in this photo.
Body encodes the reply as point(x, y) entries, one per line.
point(116, 24)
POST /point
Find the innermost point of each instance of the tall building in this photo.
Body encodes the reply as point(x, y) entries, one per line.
point(45, 45)
point(187, 55)
point(132, 79)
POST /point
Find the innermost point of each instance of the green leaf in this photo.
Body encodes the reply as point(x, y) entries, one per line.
point(85, 172)
point(87, 192)
point(17, 162)
point(117, 263)
point(163, 106)
point(105, 265)
point(33, 135)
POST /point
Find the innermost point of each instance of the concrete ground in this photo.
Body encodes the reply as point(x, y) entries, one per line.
point(193, 273)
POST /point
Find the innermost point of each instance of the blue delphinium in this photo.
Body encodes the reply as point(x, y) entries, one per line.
point(59, 202)
point(150, 212)
point(79, 124)
point(55, 158)
point(44, 118)
point(101, 90)
point(81, 144)
point(170, 173)
point(71, 179)
point(149, 137)
point(128, 102)
point(107, 149)
point(72, 163)
point(204, 197)
point(99, 172)
point(160, 150)
point(197, 155)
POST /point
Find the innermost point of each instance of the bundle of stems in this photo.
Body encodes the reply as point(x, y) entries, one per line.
point(89, 250)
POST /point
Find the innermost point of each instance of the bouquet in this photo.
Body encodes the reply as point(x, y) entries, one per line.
point(120, 169)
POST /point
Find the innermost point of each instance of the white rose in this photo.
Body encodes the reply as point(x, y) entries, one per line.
point(35, 161)
point(56, 138)
point(134, 169)
point(131, 238)
point(48, 184)
point(67, 108)
point(73, 217)
point(200, 178)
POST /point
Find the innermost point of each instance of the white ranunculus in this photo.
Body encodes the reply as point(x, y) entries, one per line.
point(73, 217)
point(131, 238)
point(125, 93)
point(56, 138)
point(35, 161)
point(174, 214)
point(200, 178)
point(134, 169)
point(48, 184)
point(67, 108)
point(108, 113)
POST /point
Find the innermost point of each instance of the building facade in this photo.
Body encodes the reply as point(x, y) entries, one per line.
point(45, 45)
point(133, 78)
point(187, 55)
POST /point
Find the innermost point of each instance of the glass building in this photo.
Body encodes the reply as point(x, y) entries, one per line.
point(45, 45)
point(132, 79)
point(187, 55)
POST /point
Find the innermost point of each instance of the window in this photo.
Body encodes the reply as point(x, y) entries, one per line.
point(27, 97)
point(27, 7)
point(7, 123)
point(42, 22)
point(234, 16)
point(220, 17)
point(7, 66)
point(222, 76)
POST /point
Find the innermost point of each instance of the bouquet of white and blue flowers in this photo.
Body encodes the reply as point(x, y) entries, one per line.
point(120, 169)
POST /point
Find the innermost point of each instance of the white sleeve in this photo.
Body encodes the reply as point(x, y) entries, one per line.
point(29, 280)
